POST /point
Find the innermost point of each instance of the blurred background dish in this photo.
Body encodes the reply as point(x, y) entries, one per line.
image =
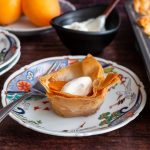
point(23, 27)
point(9, 48)
point(84, 42)
point(10, 65)
point(143, 40)
point(9, 51)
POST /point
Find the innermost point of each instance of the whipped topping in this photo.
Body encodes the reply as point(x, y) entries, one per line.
point(80, 86)
point(93, 25)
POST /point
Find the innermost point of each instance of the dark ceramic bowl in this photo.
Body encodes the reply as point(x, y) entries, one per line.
point(82, 42)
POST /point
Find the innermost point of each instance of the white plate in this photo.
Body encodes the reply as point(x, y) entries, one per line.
point(24, 27)
point(10, 65)
point(9, 47)
point(122, 104)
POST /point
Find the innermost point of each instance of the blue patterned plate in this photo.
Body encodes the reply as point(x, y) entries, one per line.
point(9, 48)
point(122, 104)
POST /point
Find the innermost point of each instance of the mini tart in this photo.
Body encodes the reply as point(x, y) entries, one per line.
point(142, 7)
point(144, 22)
point(68, 105)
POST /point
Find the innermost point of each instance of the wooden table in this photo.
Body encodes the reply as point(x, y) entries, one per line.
point(135, 135)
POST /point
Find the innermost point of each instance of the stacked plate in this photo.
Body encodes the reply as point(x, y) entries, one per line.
point(9, 51)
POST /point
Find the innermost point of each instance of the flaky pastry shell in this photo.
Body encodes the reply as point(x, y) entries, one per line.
point(68, 105)
point(142, 7)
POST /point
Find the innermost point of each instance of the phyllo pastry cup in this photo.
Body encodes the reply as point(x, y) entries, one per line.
point(69, 105)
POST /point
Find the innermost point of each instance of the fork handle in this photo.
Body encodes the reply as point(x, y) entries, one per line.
point(4, 111)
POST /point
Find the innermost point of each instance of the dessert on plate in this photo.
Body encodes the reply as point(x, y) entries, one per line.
point(78, 89)
point(142, 7)
point(144, 22)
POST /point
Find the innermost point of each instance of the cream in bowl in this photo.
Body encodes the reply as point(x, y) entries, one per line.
point(76, 39)
point(90, 25)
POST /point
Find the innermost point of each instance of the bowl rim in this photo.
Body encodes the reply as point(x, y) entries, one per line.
point(55, 25)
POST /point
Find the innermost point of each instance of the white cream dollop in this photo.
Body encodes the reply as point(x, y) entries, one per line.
point(80, 86)
point(92, 24)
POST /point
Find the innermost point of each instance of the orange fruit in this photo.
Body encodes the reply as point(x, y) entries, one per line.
point(40, 12)
point(10, 11)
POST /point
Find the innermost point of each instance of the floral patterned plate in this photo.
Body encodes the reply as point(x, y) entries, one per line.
point(9, 48)
point(23, 27)
point(122, 104)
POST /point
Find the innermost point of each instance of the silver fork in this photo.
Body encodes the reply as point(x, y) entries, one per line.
point(37, 89)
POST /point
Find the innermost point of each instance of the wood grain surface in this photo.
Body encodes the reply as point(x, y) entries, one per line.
point(134, 136)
